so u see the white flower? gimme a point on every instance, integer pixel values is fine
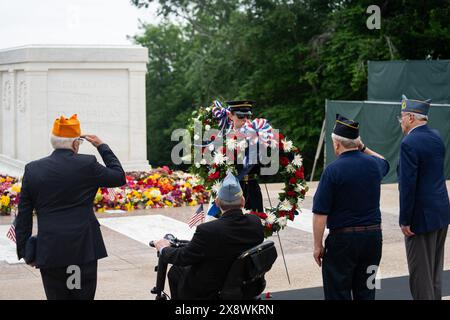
(216, 187)
(271, 218)
(298, 161)
(197, 165)
(219, 158)
(231, 144)
(287, 145)
(203, 162)
(282, 221)
(299, 188)
(196, 137)
(285, 205)
(207, 127)
(242, 144)
(208, 109)
(155, 193)
(211, 147)
(290, 168)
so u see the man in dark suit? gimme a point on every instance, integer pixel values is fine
(60, 189)
(424, 202)
(200, 268)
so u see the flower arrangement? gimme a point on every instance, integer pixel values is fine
(9, 194)
(232, 145)
(156, 188)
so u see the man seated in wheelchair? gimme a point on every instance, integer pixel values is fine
(200, 268)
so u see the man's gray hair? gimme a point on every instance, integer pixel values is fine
(347, 143)
(229, 205)
(419, 116)
(62, 143)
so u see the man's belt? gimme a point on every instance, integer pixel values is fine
(357, 229)
(249, 177)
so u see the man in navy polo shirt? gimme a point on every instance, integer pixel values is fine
(347, 200)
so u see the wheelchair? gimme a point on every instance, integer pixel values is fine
(245, 279)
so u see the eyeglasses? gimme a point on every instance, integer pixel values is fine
(399, 118)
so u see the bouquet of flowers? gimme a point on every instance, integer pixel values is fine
(157, 188)
(9, 194)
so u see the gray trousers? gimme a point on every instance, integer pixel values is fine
(425, 254)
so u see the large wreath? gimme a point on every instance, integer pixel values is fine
(213, 172)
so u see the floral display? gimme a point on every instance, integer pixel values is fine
(232, 145)
(156, 188)
(9, 194)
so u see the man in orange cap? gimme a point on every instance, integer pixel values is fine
(60, 189)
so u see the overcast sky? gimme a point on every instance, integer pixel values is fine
(103, 22)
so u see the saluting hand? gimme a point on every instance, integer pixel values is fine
(407, 231)
(92, 139)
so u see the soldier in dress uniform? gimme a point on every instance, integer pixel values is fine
(347, 200)
(249, 170)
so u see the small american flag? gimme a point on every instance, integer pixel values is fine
(112, 194)
(11, 234)
(198, 216)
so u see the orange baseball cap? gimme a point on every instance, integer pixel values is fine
(67, 128)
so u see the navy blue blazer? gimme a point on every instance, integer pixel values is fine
(211, 252)
(61, 188)
(424, 202)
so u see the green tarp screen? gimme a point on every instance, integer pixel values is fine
(380, 130)
(417, 79)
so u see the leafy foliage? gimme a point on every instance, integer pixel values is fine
(288, 55)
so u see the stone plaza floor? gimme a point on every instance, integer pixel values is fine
(128, 271)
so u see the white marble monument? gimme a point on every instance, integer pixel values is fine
(104, 85)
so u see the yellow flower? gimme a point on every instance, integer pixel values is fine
(129, 206)
(193, 203)
(16, 188)
(168, 203)
(101, 210)
(150, 203)
(4, 200)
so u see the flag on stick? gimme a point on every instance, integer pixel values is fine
(197, 217)
(11, 234)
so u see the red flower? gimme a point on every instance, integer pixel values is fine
(300, 173)
(281, 136)
(284, 161)
(282, 213)
(293, 180)
(214, 176)
(303, 192)
(291, 193)
(213, 137)
(262, 215)
(291, 215)
(198, 188)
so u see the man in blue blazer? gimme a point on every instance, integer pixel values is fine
(424, 201)
(60, 190)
